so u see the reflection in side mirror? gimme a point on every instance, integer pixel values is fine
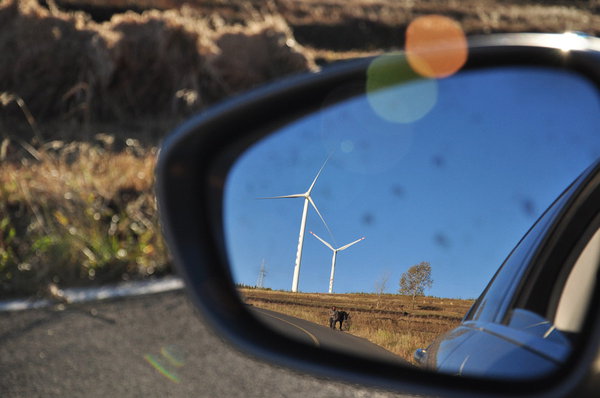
(454, 187)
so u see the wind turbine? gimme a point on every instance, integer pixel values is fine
(335, 251)
(307, 200)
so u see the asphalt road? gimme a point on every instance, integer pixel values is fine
(322, 336)
(145, 346)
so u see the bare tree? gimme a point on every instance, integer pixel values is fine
(381, 285)
(414, 281)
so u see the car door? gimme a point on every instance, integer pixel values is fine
(530, 316)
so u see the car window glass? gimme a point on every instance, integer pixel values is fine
(491, 305)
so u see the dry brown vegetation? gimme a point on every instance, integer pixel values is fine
(88, 88)
(379, 24)
(83, 107)
(167, 63)
(70, 217)
(177, 56)
(387, 320)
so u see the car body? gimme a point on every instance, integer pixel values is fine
(531, 314)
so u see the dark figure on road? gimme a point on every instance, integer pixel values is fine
(333, 316)
(336, 316)
(342, 316)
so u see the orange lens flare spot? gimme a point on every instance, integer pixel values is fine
(436, 46)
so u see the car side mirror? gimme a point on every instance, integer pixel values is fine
(441, 176)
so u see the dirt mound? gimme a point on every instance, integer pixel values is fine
(170, 62)
(158, 63)
(342, 25)
(256, 53)
(53, 61)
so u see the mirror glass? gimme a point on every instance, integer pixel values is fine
(432, 182)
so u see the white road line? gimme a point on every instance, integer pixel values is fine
(81, 295)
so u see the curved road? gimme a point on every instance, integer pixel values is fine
(323, 336)
(146, 346)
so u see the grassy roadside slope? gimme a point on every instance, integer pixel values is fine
(387, 320)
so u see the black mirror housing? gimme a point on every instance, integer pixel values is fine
(191, 173)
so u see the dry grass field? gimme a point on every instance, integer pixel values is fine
(83, 108)
(89, 88)
(334, 29)
(387, 320)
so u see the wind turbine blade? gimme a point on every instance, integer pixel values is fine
(350, 244)
(325, 243)
(299, 195)
(318, 174)
(322, 219)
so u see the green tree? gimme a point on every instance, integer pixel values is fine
(414, 281)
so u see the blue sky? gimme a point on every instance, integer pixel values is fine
(456, 183)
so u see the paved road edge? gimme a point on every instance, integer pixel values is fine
(81, 295)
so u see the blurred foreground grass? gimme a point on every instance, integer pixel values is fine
(77, 213)
(83, 107)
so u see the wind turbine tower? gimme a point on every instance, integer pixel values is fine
(307, 199)
(333, 258)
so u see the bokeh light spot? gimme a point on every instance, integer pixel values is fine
(396, 93)
(436, 46)
(171, 358)
(161, 368)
